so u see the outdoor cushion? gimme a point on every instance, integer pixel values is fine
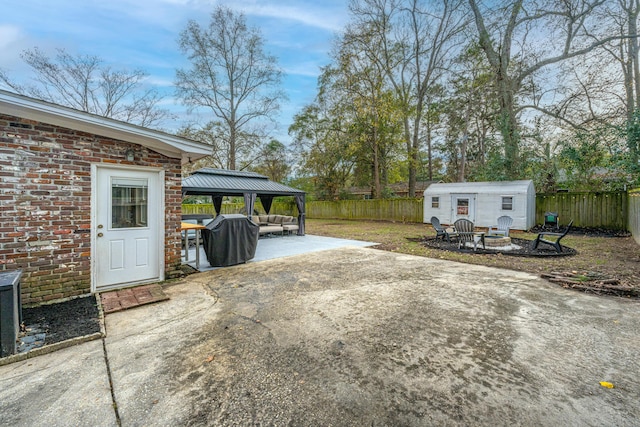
(274, 223)
(266, 229)
(290, 227)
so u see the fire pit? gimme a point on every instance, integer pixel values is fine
(496, 241)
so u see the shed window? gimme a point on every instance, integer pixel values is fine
(507, 203)
(462, 207)
(435, 202)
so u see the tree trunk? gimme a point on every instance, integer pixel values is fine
(633, 100)
(410, 163)
(508, 124)
(413, 164)
(463, 145)
(376, 166)
(232, 148)
(429, 153)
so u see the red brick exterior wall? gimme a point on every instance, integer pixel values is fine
(45, 204)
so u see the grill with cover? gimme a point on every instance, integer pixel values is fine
(230, 240)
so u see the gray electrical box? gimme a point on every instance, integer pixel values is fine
(10, 311)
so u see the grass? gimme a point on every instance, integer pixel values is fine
(615, 257)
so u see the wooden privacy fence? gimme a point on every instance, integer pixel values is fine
(405, 210)
(634, 214)
(610, 210)
(604, 210)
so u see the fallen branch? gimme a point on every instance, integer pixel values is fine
(591, 282)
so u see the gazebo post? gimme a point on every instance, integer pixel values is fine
(300, 203)
(249, 203)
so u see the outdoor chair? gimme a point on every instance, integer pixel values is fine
(542, 238)
(465, 233)
(440, 230)
(502, 229)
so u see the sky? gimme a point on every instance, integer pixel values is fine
(142, 34)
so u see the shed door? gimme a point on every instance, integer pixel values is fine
(127, 221)
(463, 206)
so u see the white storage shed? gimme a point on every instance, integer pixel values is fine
(482, 203)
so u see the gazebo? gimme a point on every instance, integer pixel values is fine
(218, 183)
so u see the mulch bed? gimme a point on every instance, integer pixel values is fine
(62, 321)
(525, 249)
(585, 231)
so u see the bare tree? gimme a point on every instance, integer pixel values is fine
(413, 41)
(231, 76)
(83, 82)
(624, 15)
(510, 34)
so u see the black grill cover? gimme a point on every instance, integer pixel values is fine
(230, 240)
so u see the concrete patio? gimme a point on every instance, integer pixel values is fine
(345, 337)
(278, 246)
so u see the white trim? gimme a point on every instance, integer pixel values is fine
(94, 192)
(161, 223)
(45, 112)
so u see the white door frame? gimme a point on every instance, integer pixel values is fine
(94, 222)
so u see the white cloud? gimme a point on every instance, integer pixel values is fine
(306, 69)
(9, 35)
(324, 17)
(11, 41)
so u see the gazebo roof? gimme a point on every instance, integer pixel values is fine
(220, 182)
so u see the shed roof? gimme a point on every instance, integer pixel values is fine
(480, 187)
(208, 181)
(34, 109)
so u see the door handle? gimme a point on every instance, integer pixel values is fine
(100, 234)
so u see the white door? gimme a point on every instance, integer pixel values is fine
(127, 223)
(463, 206)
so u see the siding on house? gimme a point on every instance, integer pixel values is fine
(45, 204)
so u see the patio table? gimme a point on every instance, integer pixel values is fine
(185, 226)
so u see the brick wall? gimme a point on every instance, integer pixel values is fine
(45, 204)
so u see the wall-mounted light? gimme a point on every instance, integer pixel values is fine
(129, 155)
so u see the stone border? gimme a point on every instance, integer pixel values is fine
(50, 348)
